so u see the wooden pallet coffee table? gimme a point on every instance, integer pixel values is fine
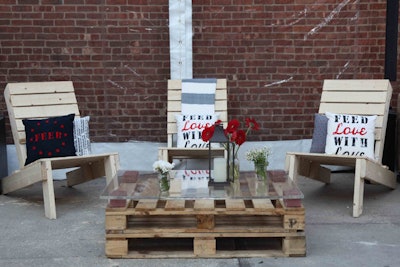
(245, 219)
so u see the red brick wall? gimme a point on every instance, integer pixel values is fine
(274, 53)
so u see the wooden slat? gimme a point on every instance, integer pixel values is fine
(235, 204)
(262, 204)
(328, 159)
(146, 204)
(23, 178)
(175, 204)
(43, 99)
(195, 153)
(204, 204)
(353, 97)
(45, 111)
(176, 94)
(357, 85)
(40, 87)
(68, 162)
(115, 222)
(177, 84)
(204, 246)
(350, 108)
(174, 107)
(116, 247)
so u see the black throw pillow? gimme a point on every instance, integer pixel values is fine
(51, 137)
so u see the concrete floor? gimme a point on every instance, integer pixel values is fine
(76, 238)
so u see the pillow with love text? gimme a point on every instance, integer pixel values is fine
(351, 135)
(190, 128)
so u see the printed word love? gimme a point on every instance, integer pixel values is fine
(189, 125)
(346, 130)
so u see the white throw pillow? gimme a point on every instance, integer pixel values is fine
(352, 135)
(81, 136)
(190, 128)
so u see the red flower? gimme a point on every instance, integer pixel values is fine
(232, 127)
(252, 124)
(207, 133)
(240, 137)
(232, 136)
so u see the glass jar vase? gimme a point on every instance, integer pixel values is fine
(234, 164)
(260, 169)
(164, 182)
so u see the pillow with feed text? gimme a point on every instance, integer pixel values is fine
(190, 128)
(351, 135)
(47, 138)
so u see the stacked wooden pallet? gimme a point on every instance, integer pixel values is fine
(179, 228)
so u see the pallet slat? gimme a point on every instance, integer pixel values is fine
(176, 204)
(204, 204)
(146, 204)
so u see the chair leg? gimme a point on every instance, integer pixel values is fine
(48, 191)
(111, 166)
(291, 166)
(163, 154)
(358, 197)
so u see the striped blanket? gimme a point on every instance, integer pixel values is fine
(198, 96)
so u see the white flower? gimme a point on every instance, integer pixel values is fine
(162, 166)
(259, 155)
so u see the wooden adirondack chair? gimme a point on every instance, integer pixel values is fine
(360, 97)
(174, 108)
(41, 100)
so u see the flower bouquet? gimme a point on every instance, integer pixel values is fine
(259, 156)
(162, 168)
(236, 136)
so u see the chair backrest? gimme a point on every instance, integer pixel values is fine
(37, 100)
(361, 97)
(174, 105)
